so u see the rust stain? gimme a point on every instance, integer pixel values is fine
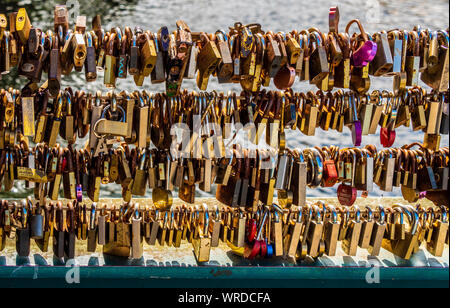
(219, 273)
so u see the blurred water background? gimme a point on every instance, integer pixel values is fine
(209, 16)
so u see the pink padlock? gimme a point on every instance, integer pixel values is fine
(364, 52)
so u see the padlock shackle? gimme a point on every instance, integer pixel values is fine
(361, 29)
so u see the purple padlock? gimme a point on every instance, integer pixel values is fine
(356, 123)
(357, 133)
(367, 52)
(79, 191)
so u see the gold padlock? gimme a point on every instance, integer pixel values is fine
(23, 25)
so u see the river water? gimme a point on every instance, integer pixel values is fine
(275, 15)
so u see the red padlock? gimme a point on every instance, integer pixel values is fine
(387, 136)
(251, 251)
(330, 175)
(346, 194)
(263, 249)
(252, 230)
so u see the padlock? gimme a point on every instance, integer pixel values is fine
(318, 62)
(110, 63)
(208, 59)
(382, 62)
(365, 53)
(90, 66)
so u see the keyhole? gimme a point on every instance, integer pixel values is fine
(437, 177)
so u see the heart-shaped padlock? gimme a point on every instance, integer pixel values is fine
(365, 54)
(367, 51)
(346, 194)
(387, 137)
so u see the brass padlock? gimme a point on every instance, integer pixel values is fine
(343, 69)
(378, 232)
(207, 61)
(69, 182)
(396, 46)
(79, 51)
(140, 177)
(273, 57)
(202, 243)
(136, 236)
(110, 63)
(318, 61)
(382, 63)
(61, 18)
(225, 67)
(351, 240)
(22, 25)
(438, 77)
(148, 55)
(413, 61)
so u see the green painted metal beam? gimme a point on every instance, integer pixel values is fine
(223, 277)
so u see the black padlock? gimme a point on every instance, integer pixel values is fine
(58, 243)
(34, 40)
(2, 230)
(54, 71)
(69, 235)
(444, 129)
(92, 230)
(92, 240)
(90, 65)
(23, 242)
(158, 74)
(37, 225)
(31, 65)
(441, 172)
(134, 57)
(42, 243)
(84, 181)
(426, 179)
(69, 244)
(58, 234)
